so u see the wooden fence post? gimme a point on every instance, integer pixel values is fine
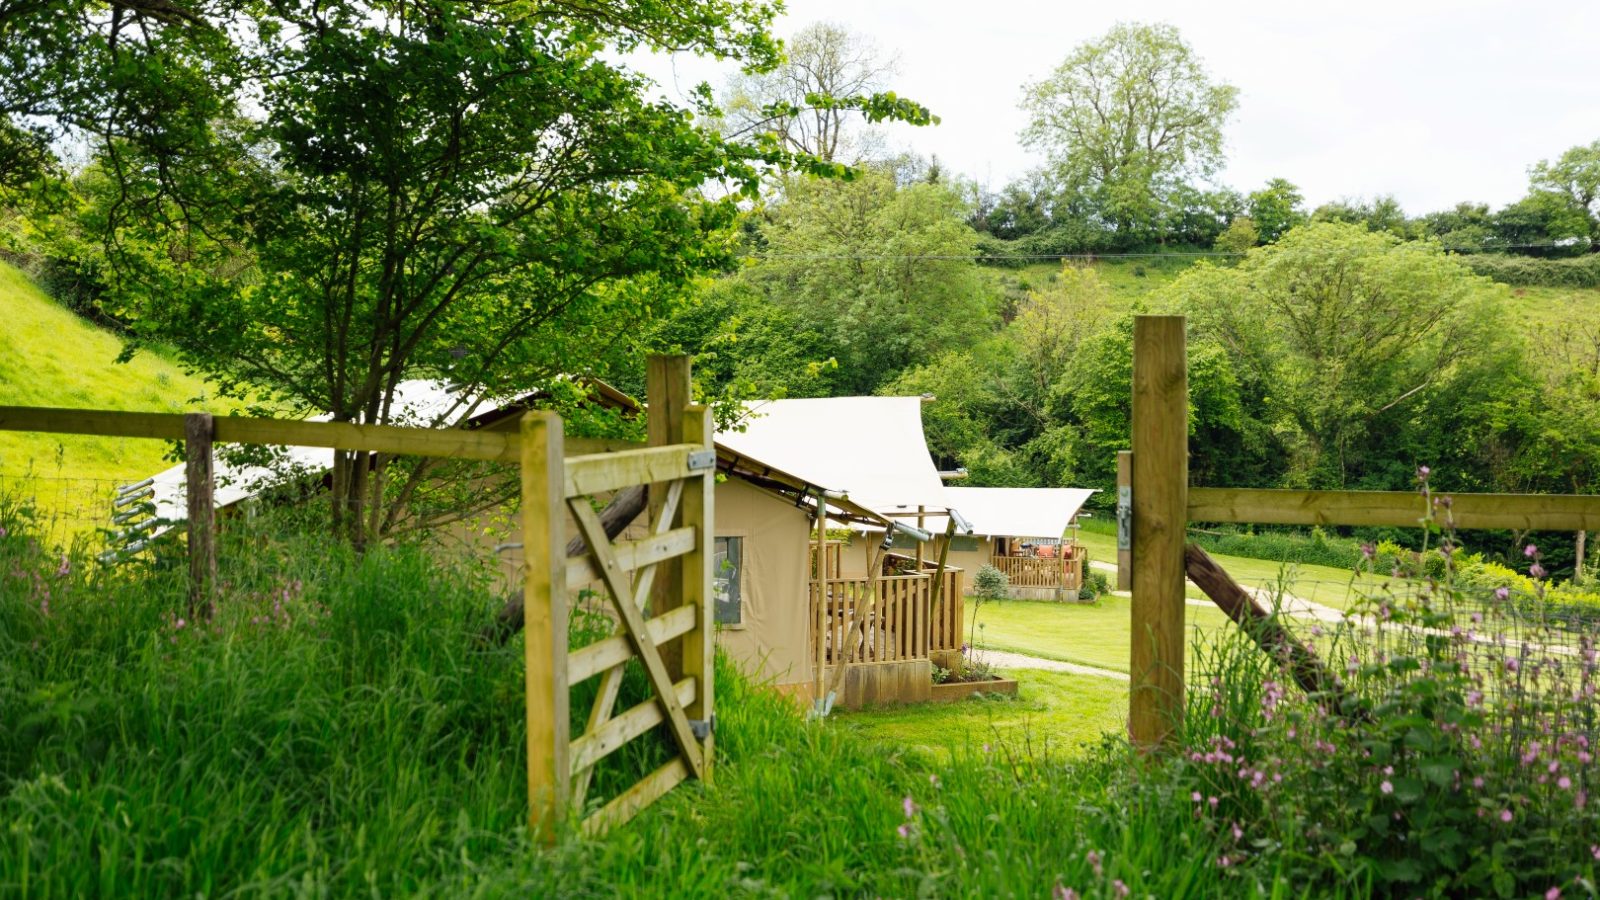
(699, 645)
(544, 610)
(1160, 511)
(667, 392)
(200, 492)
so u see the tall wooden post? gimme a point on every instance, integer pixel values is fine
(544, 611)
(1160, 501)
(200, 493)
(820, 627)
(667, 392)
(699, 648)
(1124, 520)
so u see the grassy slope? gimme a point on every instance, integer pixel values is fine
(51, 357)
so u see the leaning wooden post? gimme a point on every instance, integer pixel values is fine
(1124, 520)
(699, 647)
(667, 391)
(544, 610)
(200, 483)
(1160, 501)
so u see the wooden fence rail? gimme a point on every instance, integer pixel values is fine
(1155, 474)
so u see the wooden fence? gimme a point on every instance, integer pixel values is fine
(1156, 505)
(906, 623)
(672, 566)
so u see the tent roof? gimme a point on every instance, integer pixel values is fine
(1018, 512)
(871, 448)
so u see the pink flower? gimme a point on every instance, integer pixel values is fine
(1564, 783)
(179, 625)
(1512, 664)
(1422, 473)
(1505, 815)
(1093, 856)
(1553, 894)
(1064, 893)
(1386, 787)
(909, 806)
(1529, 551)
(1196, 797)
(1502, 593)
(1536, 570)
(1119, 888)
(904, 830)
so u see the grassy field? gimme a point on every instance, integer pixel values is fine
(1053, 713)
(51, 357)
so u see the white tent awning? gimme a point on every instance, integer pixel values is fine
(871, 448)
(1018, 512)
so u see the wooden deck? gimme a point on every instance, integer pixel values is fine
(1032, 575)
(906, 624)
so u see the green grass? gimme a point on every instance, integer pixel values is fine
(1098, 634)
(338, 731)
(51, 357)
(1053, 713)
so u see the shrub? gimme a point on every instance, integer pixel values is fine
(1576, 272)
(1094, 585)
(990, 583)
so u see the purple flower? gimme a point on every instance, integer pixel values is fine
(1386, 787)
(1505, 815)
(1513, 664)
(1093, 856)
(909, 806)
(1536, 570)
(1553, 894)
(1422, 473)
(1064, 893)
(904, 830)
(1369, 550)
(1502, 593)
(1530, 550)
(65, 568)
(1119, 888)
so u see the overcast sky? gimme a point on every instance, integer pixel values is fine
(1432, 102)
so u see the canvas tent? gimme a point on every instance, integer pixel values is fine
(1010, 515)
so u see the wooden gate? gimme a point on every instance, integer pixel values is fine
(660, 593)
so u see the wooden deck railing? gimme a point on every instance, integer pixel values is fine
(904, 625)
(1044, 572)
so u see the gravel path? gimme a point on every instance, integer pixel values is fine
(1002, 659)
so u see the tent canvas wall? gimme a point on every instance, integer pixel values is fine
(1001, 513)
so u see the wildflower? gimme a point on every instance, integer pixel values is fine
(1536, 571)
(1093, 856)
(1120, 889)
(179, 625)
(1564, 783)
(1505, 815)
(1387, 787)
(1064, 893)
(1422, 473)
(1553, 894)
(1213, 801)
(1502, 593)
(1478, 782)
(1474, 698)
(1224, 862)
(909, 806)
(1368, 551)
(1238, 833)
(1195, 797)
(1530, 551)
(65, 568)
(904, 830)
(1513, 664)
(933, 779)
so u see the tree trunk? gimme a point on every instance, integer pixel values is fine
(625, 506)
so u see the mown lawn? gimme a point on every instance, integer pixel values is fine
(1053, 713)
(1098, 634)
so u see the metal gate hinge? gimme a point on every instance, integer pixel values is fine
(700, 460)
(703, 728)
(1124, 517)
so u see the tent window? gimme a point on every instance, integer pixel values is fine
(963, 543)
(727, 580)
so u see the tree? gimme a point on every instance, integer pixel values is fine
(886, 272)
(1575, 178)
(1357, 346)
(322, 201)
(1240, 236)
(1275, 209)
(822, 60)
(1378, 214)
(1127, 117)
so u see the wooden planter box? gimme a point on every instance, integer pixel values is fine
(955, 692)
